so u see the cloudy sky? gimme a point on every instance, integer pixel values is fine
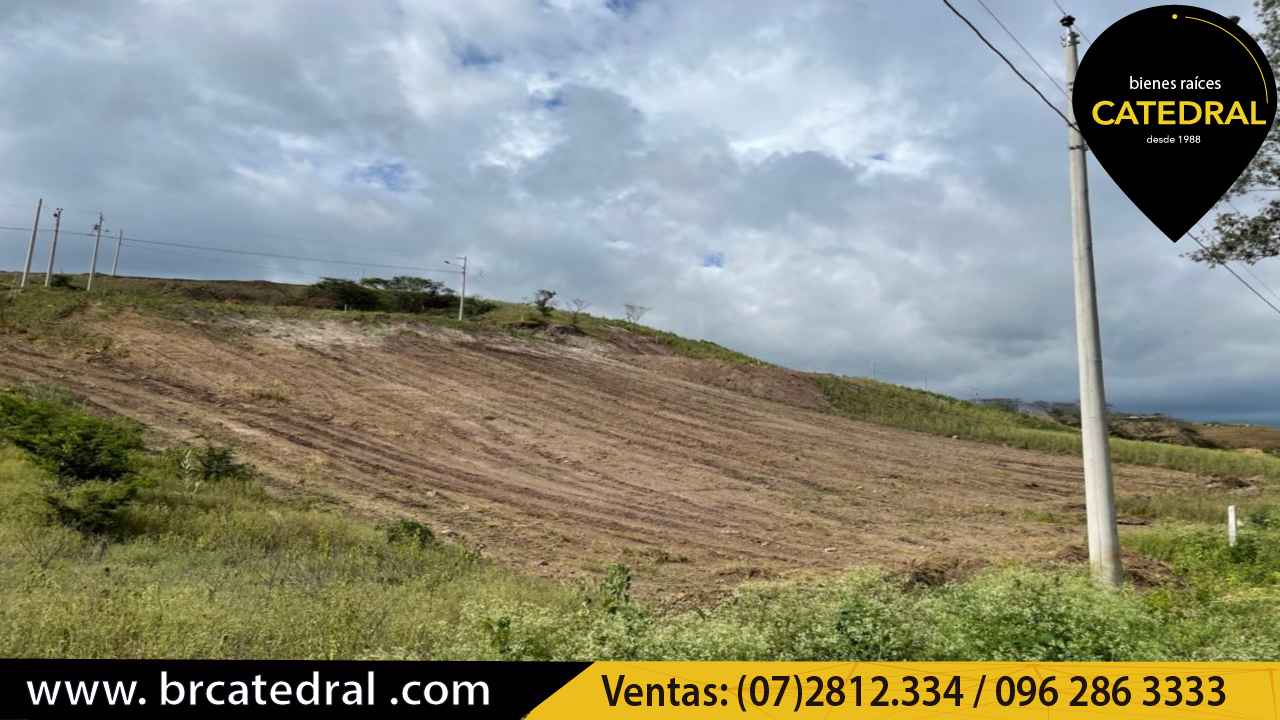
(853, 187)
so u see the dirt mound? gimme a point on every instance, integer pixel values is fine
(560, 459)
(1142, 571)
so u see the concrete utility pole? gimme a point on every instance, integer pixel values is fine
(53, 247)
(1099, 493)
(31, 246)
(115, 259)
(462, 299)
(93, 264)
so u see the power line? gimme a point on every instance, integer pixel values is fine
(277, 256)
(1231, 270)
(1012, 67)
(1072, 125)
(46, 230)
(1248, 269)
(129, 240)
(1052, 80)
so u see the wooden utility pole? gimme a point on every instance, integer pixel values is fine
(53, 247)
(31, 246)
(97, 242)
(115, 259)
(1099, 491)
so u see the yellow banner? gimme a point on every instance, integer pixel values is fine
(1045, 691)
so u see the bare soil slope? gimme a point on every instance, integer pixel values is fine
(560, 457)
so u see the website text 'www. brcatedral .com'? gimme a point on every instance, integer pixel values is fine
(257, 691)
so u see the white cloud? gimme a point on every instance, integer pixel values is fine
(883, 192)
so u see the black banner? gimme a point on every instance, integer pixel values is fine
(276, 688)
(1174, 101)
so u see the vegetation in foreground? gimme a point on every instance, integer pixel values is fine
(886, 404)
(197, 561)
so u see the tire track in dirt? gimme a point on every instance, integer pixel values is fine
(562, 459)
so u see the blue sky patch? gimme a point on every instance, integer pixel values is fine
(473, 56)
(391, 176)
(622, 7)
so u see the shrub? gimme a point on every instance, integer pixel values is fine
(336, 293)
(873, 626)
(409, 531)
(477, 306)
(89, 457)
(215, 463)
(95, 507)
(418, 302)
(545, 301)
(1203, 556)
(1023, 615)
(614, 593)
(72, 445)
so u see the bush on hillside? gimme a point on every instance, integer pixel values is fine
(1023, 615)
(403, 293)
(95, 507)
(90, 458)
(339, 294)
(214, 463)
(409, 531)
(72, 445)
(544, 301)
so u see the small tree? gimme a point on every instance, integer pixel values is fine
(635, 312)
(578, 306)
(545, 301)
(407, 283)
(1252, 234)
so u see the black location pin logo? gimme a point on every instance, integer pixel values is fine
(1174, 101)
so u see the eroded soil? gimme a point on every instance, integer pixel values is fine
(561, 457)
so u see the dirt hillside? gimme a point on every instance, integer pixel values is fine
(561, 455)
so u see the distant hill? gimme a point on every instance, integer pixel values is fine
(1154, 427)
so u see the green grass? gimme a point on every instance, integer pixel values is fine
(57, 315)
(1205, 506)
(216, 568)
(903, 407)
(697, 349)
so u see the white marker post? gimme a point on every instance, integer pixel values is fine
(1231, 525)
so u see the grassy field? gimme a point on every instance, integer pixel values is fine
(200, 562)
(886, 404)
(53, 314)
